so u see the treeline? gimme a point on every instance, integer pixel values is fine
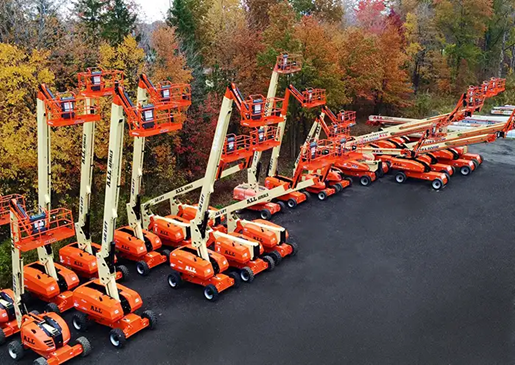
(410, 58)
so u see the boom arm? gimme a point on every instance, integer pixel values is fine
(106, 268)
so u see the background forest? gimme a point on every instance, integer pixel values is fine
(410, 58)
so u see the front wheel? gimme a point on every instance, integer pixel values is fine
(52, 308)
(124, 271)
(322, 196)
(292, 203)
(247, 275)
(236, 277)
(270, 261)
(16, 350)
(265, 214)
(175, 280)
(276, 256)
(282, 205)
(365, 180)
(117, 338)
(465, 170)
(152, 318)
(142, 268)
(40, 361)
(400, 178)
(211, 293)
(86, 346)
(437, 184)
(80, 322)
(294, 248)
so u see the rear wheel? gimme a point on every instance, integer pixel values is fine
(322, 196)
(307, 195)
(349, 180)
(86, 346)
(270, 261)
(117, 338)
(124, 271)
(52, 307)
(294, 248)
(16, 350)
(437, 184)
(152, 318)
(236, 277)
(175, 280)
(292, 203)
(80, 322)
(265, 214)
(465, 170)
(475, 162)
(142, 268)
(211, 293)
(247, 275)
(40, 361)
(400, 177)
(365, 180)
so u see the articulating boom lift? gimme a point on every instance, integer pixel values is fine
(103, 300)
(47, 334)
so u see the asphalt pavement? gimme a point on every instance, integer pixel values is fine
(389, 274)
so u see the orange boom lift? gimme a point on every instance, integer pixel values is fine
(103, 300)
(47, 334)
(80, 256)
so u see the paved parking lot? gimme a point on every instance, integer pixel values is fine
(390, 274)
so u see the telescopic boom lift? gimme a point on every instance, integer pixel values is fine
(103, 300)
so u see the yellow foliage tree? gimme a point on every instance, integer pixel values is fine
(20, 75)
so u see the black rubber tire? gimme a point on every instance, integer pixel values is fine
(265, 214)
(40, 361)
(292, 203)
(365, 180)
(349, 180)
(294, 248)
(117, 338)
(322, 196)
(16, 350)
(276, 256)
(175, 280)
(80, 322)
(125, 273)
(307, 195)
(247, 275)
(437, 184)
(282, 205)
(3, 338)
(447, 175)
(211, 293)
(339, 187)
(400, 177)
(166, 253)
(86, 346)
(465, 170)
(453, 170)
(336, 189)
(52, 308)
(236, 277)
(270, 261)
(475, 162)
(152, 318)
(142, 268)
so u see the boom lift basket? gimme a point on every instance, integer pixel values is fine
(5, 210)
(40, 227)
(236, 147)
(318, 154)
(258, 111)
(168, 95)
(149, 120)
(67, 108)
(95, 83)
(475, 99)
(309, 98)
(264, 138)
(288, 63)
